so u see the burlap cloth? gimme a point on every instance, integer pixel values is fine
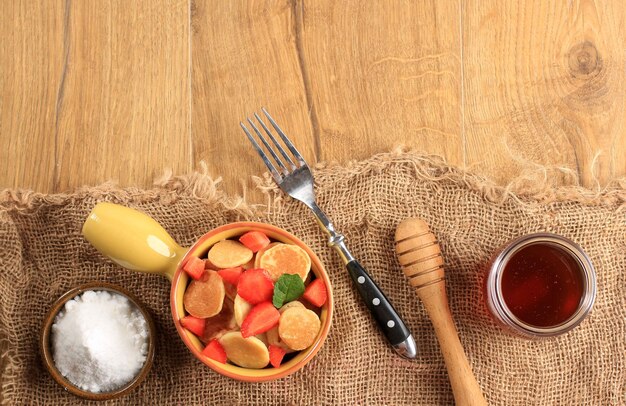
(43, 255)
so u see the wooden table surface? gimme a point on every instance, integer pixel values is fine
(112, 89)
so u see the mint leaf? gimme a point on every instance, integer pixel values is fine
(287, 288)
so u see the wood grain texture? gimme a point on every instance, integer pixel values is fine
(245, 56)
(92, 91)
(381, 74)
(545, 83)
(30, 68)
(124, 98)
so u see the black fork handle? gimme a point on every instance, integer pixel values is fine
(385, 315)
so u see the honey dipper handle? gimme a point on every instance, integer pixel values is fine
(464, 385)
(421, 260)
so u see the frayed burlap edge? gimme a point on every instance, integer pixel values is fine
(534, 186)
(167, 188)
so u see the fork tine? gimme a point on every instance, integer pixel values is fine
(275, 174)
(269, 148)
(293, 149)
(280, 148)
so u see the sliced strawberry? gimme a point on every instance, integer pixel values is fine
(316, 293)
(193, 324)
(261, 318)
(215, 351)
(254, 240)
(255, 286)
(231, 275)
(194, 267)
(276, 355)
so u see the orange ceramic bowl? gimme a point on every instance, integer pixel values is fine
(137, 242)
(179, 284)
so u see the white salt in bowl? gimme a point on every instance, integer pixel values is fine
(46, 347)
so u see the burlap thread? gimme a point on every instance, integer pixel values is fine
(42, 255)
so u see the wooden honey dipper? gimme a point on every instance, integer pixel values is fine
(420, 256)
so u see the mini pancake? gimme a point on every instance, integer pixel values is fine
(246, 352)
(263, 338)
(259, 254)
(298, 327)
(209, 265)
(204, 298)
(272, 335)
(274, 339)
(290, 305)
(242, 308)
(221, 323)
(308, 279)
(285, 258)
(230, 290)
(229, 254)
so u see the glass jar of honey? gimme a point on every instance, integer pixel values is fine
(540, 285)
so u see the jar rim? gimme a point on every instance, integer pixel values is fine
(566, 245)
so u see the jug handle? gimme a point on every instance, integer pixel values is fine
(132, 239)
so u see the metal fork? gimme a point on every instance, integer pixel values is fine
(293, 176)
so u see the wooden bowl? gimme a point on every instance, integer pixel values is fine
(46, 351)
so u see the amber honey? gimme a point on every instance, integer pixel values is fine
(540, 285)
